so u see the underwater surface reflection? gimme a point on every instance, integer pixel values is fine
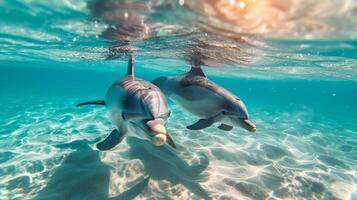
(293, 63)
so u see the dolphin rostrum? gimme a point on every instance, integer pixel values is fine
(137, 108)
(207, 100)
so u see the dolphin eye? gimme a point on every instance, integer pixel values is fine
(237, 99)
(224, 112)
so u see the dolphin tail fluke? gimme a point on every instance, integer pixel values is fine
(111, 141)
(201, 124)
(131, 67)
(95, 102)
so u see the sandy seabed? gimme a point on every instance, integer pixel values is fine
(53, 156)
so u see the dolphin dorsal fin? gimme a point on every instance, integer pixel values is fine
(131, 67)
(197, 71)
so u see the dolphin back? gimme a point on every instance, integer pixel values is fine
(164, 83)
(151, 100)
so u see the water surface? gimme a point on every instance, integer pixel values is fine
(300, 88)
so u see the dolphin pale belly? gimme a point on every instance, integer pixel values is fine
(207, 100)
(137, 108)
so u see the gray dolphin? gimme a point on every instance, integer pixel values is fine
(137, 108)
(207, 100)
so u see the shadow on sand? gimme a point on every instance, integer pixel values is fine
(83, 175)
(162, 163)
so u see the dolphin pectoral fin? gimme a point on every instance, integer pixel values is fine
(225, 127)
(111, 141)
(95, 102)
(170, 141)
(201, 124)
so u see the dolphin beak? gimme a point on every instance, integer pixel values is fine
(158, 131)
(158, 139)
(249, 125)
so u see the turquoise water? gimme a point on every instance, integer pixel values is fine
(301, 92)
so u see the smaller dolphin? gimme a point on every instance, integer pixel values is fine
(136, 107)
(207, 100)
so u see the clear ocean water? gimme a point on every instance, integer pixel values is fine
(299, 84)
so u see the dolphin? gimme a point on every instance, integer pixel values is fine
(205, 99)
(137, 108)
